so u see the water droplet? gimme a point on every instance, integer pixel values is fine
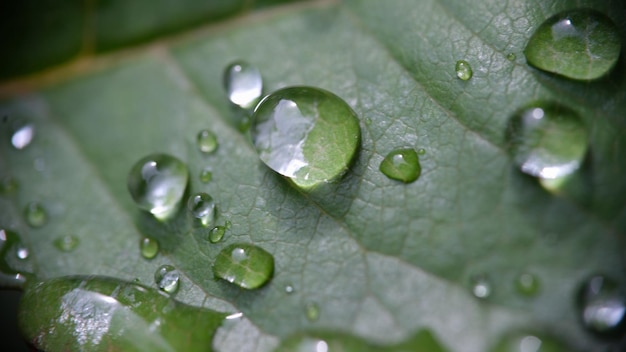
(603, 306)
(421, 151)
(463, 70)
(23, 135)
(306, 134)
(157, 183)
(39, 164)
(244, 265)
(578, 44)
(312, 311)
(511, 56)
(524, 342)
(243, 84)
(167, 278)
(35, 215)
(527, 284)
(206, 175)
(216, 234)
(149, 247)
(547, 140)
(21, 252)
(202, 207)
(481, 287)
(66, 243)
(8, 185)
(207, 141)
(228, 224)
(289, 289)
(401, 165)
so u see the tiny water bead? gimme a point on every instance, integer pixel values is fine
(244, 265)
(547, 140)
(579, 44)
(206, 175)
(207, 141)
(312, 311)
(216, 234)
(157, 183)
(511, 56)
(463, 70)
(527, 284)
(202, 208)
(149, 247)
(243, 84)
(35, 215)
(23, 135)
(481, 286)
(602, 304)
(66, 243)
(167, 278)
(401, 165)
(306, 134)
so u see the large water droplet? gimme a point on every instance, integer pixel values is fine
(527, 284)
(167, 278)
(207, 141)
(402, 165)
(463, 70)
(603, 305)
(548, 141)
(579, 44)
(243, 84)
(149, 247)
(244, 265)
(524, 342)
(206, 175)
(216, 234)
(157, 183)
(312, 311)
(202, 207)
(35, 215)
(23, 135)
(66, 243)
(306, 134)
(481, 286)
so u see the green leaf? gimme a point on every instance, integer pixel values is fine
(380, 259)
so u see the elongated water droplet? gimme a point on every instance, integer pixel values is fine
(167, 278)
(580, 44)
(244, 265)
(216, 234)
(23, 135)
(66, 243)
(35, 215)
(527, 284)
(481, 287)
(306, 134)
(312, 311)
(157, 183)
(202, 207)
(602, 304)
(207, 141)
(149, 247)
(243, 84)
(401, 165)
(547, 140)
(524, 342)
(463, 70)
(421, 151)
(206, 175)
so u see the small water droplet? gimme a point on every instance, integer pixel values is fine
(228, 224)
(463, 70)
(579, 44)
(421, 151)
(202, 207)
(207, 141)
(547, 140)
(206, 175)
(312, 311)
(66, 243)
(527, 284)
(8, 185)
(157, 183)
(167, 278)
(401, 165)
(216, 234)
(23, 135)
(511, 56)
(481, 287)
(35, 215)
(244, 265)
(22, 252)
(602, 304)
(148, 247)
(243, 84)
(289, 289)
(306, 134)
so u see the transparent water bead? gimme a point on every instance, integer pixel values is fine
(217, 234)
(35, 215)
(527, 284)
(202, 208)
(312, 311)
(579, 44)
(401, 165)
(463, 70)
(167, 278)
(602, 304)
(547, 140)
(243, 84)
(66, 243)
(481, 286)
(157, 183)
(148, 247)
(207, 141)
(23, 135)
(306, 134)
(244, 265)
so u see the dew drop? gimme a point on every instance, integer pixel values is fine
(579, 44)
(547, 141)
(289, 289)
(401, 165)
(243, 84)
(35, 215)
(207, 141)
(21, 252)
(244, 265)
(481, 287)
(527, 284)
(206, 175)
(463, 70)
(217, 234)
(157, 183)
(148, 247)
(202, 208)
(511, 57)
(312, 311)
(421, 151)
(306, 134)
(602, 304)
(66, 243)
(167, 278)
(23, 135)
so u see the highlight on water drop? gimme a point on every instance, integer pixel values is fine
(207, 141)
(243, 84)
(35, 215)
